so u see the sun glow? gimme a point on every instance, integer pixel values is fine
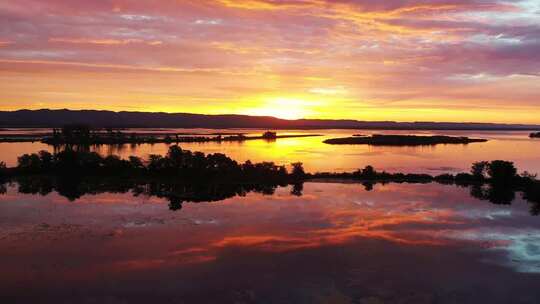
(284, 107)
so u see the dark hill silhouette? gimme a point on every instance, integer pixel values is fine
(94, 118)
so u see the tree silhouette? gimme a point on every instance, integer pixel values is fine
(298, 170)
(2, 169)
(501, 171)
(479, 169)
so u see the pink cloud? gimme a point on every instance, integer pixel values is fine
(370, 47)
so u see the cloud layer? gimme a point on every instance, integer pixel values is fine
(402, 60)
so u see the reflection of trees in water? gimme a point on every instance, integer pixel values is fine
(368, 185)
(78, 148)
(111, 149)
(178, 193)
(533, 195)
(297, 189)
(175, 193)
(503, 194)
(500, 195)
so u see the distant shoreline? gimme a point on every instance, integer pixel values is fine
(122, 138)
(46, 118)
(507, 129)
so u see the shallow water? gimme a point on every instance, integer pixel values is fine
(337, 243)
(506, 145)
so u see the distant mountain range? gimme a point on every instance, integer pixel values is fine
(57, 118)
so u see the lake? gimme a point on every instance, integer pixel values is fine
(317, 156)
(323, 243)
(320, 242)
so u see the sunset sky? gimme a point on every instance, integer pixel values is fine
(404, 60)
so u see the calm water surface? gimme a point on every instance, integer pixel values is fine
(337, 243)
(506, 145)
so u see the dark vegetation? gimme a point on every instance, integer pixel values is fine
(85, 135)
(176, 193)
(496, 181)
(183, 175)
(178, 163)
(180, 176)
(19, 139)
(497, 172)
(534, 135)
(401, 140)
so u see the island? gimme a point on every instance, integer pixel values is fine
(182, 175)
(85, 135)
(535, 135)
(402, 140)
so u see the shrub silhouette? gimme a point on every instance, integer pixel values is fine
(136, 162)
(29, 162)
(298, 170)
(177, 162)
(501, 171)
(479, 169)
(496, 181)
(368, 173)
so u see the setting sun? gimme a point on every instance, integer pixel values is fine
(284, 107)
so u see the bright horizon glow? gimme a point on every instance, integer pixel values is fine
(282, 107)
(443, 60)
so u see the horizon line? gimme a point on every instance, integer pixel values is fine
(273, 117)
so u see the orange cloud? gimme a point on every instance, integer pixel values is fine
(396, 60)
(5, 43)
